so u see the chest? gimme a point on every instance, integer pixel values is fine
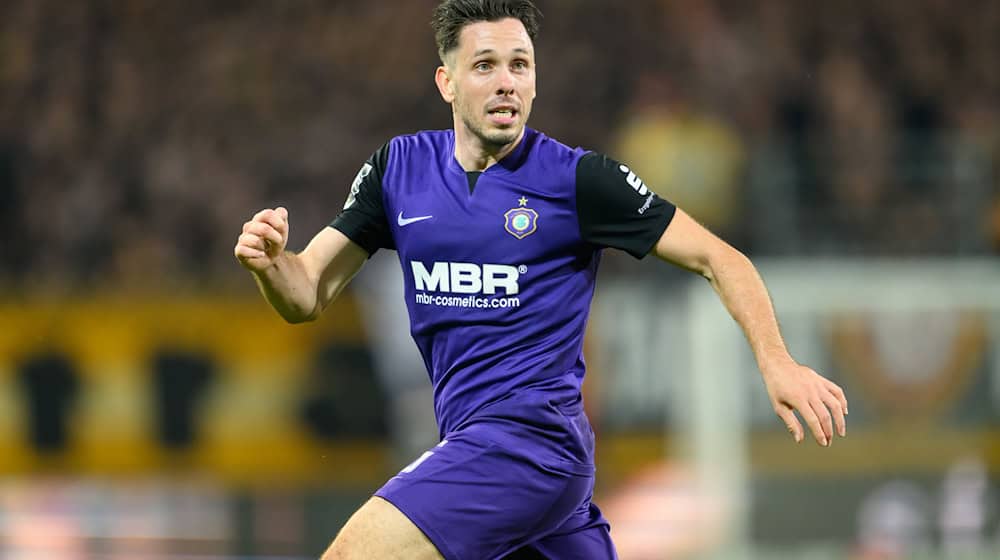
(505, 219)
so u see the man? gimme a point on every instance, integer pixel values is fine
(499, 230)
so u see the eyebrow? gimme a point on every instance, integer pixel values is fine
(481, 52)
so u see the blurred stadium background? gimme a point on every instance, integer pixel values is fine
(153, 406)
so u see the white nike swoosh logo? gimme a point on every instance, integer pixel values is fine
(407, 221)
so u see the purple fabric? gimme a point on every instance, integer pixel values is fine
(477, 498)
(498, 281)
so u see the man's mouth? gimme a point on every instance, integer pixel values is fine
(503, 115)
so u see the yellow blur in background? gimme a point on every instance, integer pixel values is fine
(153, 406)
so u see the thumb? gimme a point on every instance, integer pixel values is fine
(283, 212)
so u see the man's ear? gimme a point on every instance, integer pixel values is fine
(445, 85)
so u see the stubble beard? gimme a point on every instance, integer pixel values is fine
(493, 139)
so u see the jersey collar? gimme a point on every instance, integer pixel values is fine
(511, 162)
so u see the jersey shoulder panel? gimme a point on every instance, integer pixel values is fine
(415, 156)
(419, 144)
(557, 155)
(616, 209)
(362, 218)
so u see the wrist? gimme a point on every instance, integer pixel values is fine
(773, 363)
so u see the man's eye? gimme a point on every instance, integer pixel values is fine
(482, 66)
(520, 65)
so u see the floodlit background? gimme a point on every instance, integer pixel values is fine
(152, 405)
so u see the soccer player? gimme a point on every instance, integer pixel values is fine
(499, 230)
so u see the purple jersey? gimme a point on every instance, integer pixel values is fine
(499, 270)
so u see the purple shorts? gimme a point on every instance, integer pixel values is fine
(477, 499)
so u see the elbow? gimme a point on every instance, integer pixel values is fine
(298, 316)
(725, 258)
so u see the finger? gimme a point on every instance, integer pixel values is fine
(812, 420)
(833, 404)
(824, 417)
(838, 393)
(251, 241)
(791, 422)
(275, 220)
(259, 216)
(244, 252)
(254, 223)
(264, 231)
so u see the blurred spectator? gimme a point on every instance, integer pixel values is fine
(689, 157)
(894, 522)
(136, 137)
(966, 505)
(858, 147)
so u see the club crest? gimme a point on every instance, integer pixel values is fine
(521, 221)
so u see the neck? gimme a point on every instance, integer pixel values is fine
(475, 155)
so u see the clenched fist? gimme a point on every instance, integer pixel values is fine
(263, 239)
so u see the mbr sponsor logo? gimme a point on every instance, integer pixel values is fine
(465, 278)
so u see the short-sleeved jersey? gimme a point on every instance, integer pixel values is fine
(499, 270)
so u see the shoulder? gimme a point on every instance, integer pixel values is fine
(595, 165)
(422, 142)
(552, 147)
(551, 153)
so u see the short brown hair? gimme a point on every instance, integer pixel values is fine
(452, 15)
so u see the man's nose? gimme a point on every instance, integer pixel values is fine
(505, 82)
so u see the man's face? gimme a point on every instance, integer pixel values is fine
(490, 80)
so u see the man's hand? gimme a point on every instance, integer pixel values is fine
(819, 401)
(263, 239)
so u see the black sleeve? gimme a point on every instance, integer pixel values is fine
(616, 209)
(363, 218)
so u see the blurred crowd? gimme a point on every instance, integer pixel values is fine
(136, 137)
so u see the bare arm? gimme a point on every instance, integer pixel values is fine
(791, 387)
(299, 286)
